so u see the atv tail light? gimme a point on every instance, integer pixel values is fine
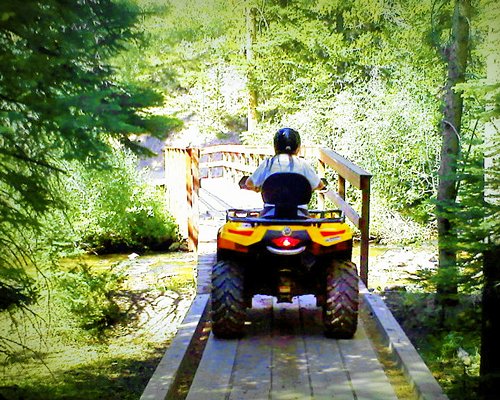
(229, 245)
(247, 232)
(332, 233)
(317, 249)
(286, 241)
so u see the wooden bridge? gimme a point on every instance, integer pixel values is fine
(284, 354)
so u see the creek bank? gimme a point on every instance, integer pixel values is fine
(58, 360)
(156, 293)
(392, 267)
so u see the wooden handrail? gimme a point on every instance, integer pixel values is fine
(354, 174)
(237, 148)
(235, 160)
(360, 179)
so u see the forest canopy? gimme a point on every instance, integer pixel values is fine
(365, 78)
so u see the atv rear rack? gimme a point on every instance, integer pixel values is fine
(316, 217)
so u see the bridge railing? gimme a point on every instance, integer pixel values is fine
(182, 183)
(360, 179)
(233, 161)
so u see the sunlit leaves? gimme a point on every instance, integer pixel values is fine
(115, 208)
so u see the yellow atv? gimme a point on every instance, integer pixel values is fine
(284, 250)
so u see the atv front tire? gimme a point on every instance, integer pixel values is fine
(340, 312)
(228, 304)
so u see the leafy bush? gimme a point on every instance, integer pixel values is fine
(452, 354)
(114, 209)
(90, 296)
(390, 133)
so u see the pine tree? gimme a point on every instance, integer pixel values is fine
(60, 100)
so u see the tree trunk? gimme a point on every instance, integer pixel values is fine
(456, 55)
(252, 116)
(490, 333)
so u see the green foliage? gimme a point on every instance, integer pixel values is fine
(476, 214)
(73, 350)
(315, 50)
(62, 98)
(451, 354)
(346, 74)
(363, 77)
(115, 209)
(191, 53)
(390, 133)
(90, 296)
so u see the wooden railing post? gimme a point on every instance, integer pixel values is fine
(341, 182)
(192, 189)
(175, 187)
(360, 179)
(321, 174)
(182, 183)
(364, 227)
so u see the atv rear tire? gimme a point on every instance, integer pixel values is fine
(228, 304)
(340, 312)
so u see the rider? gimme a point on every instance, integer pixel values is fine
(286, 147)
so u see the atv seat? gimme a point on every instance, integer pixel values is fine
(286, 195)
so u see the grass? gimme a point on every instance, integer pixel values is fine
(100, 375)
(46, 354)
(452, 351)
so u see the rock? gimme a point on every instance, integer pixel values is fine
(395, 288)
(133, 256)
(174, 246)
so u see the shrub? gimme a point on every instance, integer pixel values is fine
(114, 209)
(90, 296)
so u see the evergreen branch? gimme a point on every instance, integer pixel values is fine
(35, 353)
(10, 100)
(23, 157)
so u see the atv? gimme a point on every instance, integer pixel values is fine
(284, 250)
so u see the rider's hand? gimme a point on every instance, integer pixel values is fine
(243, 183)
(249, 185)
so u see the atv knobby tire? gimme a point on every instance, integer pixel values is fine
(340, 312)
(228, 304)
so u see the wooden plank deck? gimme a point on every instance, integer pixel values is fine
(284, 356)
